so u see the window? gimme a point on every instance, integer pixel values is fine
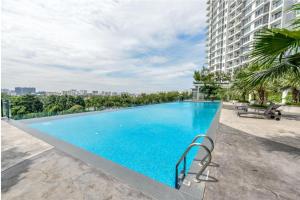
(248, 9)
(245, 39)
(247, 2)
(266, 19)
(245, 48)
(246, 20)
(259, 12)
(246, 30)
(258, 22)
(277, 15)
(266, 7)
(275, 25)
(276, 3)
(236, 54)
(230, 40)
(258, 2)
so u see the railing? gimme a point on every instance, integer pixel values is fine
(183, 158)
(209, 139)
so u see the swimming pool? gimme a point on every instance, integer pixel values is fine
(147, 139)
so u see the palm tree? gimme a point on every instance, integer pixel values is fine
(277, 51)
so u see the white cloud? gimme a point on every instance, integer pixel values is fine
(103, 45)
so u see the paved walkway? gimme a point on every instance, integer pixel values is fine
(32, 169)
(256, 158)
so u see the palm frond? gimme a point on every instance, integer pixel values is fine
(289, 66)
(296, 23)
(270, 44)
(295, 7)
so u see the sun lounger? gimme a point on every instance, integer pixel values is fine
(271, 112)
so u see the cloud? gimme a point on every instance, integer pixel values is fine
(102, 45)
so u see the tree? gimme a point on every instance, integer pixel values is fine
(26, 104)
(211, 82)
(289, 82)
(238, 89)
(55, 104)
(241, 85)
(76, 108)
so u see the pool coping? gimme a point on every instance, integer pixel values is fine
(134, 179)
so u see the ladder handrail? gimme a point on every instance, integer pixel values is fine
(209, 139)
(183, 157)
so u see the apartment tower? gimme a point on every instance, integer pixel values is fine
(232, 25)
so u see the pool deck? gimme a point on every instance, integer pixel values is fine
(33, 169)
(253, 159)
(256, 158)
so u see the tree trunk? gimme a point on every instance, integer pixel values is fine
(295, 94)
(261, 95)
(244, 96)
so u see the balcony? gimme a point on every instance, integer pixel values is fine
(276, 16)
(276, 4)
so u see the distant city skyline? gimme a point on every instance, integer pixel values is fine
(134, 46)
(91, 90)
(17, 91)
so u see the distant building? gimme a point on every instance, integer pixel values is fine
(5, 91)
(41, 93)
(70, 92)
(95, 92)
(83, 92)
(114, 94)
(25, 90)
(52, 93)
(107, 93)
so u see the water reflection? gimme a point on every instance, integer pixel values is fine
(203, 114)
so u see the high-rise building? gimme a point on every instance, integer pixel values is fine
(72, 92)
(232, 25)
(83, 92)
(5, 91)
(95, 92)
(25, 90)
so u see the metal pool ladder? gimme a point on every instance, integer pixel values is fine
(204, 162)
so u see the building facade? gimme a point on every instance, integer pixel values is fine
(232, 25)
(25, 90)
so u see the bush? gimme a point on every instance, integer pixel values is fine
(54, 109)
(76, 108)
(293, 104)
(275, 97)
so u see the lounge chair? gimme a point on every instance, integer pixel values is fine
(242, 107)
(271, 112)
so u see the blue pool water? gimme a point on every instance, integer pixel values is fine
(148, 139)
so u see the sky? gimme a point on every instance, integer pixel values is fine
(105, 45)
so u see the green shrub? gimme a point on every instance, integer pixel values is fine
(293, 104)
(275, 97)
(76, 108)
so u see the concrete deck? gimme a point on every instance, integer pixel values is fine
(256, 159)
(35, 170)
(18, 146)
